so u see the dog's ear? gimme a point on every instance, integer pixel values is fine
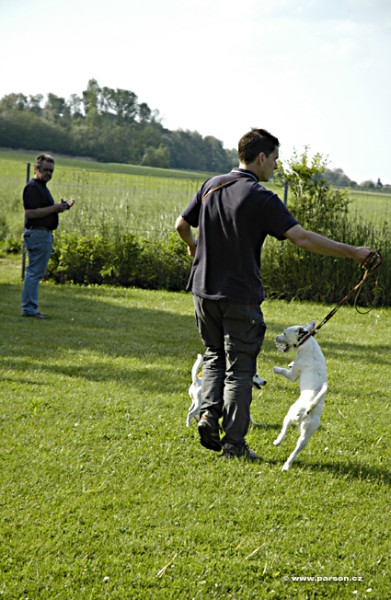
(310, 327)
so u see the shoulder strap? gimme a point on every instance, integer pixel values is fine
(219, 187)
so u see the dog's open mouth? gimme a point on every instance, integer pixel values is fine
(281, 346)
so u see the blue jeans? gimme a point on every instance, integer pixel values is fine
(233, 335)
(39, 247)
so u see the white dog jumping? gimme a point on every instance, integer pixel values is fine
(195, 392)
(310, 368)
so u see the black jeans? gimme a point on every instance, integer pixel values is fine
(232, 334)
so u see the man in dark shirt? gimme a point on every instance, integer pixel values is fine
(41, 218)
(234, 214)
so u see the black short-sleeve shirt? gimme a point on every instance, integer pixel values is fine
(37, 195)
(233, 223)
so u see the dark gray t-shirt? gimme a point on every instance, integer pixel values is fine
(233, 223)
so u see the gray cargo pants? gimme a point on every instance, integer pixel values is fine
(232, 334)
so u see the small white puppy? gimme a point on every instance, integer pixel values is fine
(195, 391)
(309, 367)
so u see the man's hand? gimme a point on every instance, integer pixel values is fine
(191, 250)
(66, 204)
(372, 259)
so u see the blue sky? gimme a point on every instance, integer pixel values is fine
(316, 73)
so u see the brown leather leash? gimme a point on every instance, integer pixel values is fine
(372, 262)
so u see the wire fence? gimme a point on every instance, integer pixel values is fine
(144, 205)
(110, 205)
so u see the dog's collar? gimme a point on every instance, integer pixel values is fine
(303, 337)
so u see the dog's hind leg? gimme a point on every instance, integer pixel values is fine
(285, 426)
(305, 434)
(301, 444)
(192, 413)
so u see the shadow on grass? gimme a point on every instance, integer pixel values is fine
(20, 381)
(114, 323)
(120, 322)
(357, 471)
(265, 426)
(360, 472)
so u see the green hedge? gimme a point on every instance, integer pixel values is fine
(120, 260)
(287, 271)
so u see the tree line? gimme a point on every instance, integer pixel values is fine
(108, 125)
(111, 125)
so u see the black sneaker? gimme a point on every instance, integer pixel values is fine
(208, 428)
(238, 451)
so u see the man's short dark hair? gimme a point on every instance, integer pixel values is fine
(43, 157)
(254, 142)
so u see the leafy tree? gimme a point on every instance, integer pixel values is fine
(186, 150)
(34, 104)
(28, 131)
(56, 110)
(90, 102)
(311, 199)
(368, 184)
(144, 113)
(337, 177)
(215, 156)
(156, 157)
(13, 102)
(125, 103)
(75, 106)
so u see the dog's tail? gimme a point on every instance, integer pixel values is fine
(196, 367)
(321, 394)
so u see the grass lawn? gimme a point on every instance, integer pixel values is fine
(107, 494)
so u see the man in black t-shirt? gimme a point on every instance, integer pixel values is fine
(41, 218)
(234, 214)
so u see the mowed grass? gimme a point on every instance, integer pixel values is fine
(107, 494)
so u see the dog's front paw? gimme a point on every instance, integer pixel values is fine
(277, 370)
(286, 467)
(277, 442)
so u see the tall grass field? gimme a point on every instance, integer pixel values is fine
(142, 200)
(122, 197)
(107, 494)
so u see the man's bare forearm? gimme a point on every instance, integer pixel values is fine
(184, 230)
(319, 244)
